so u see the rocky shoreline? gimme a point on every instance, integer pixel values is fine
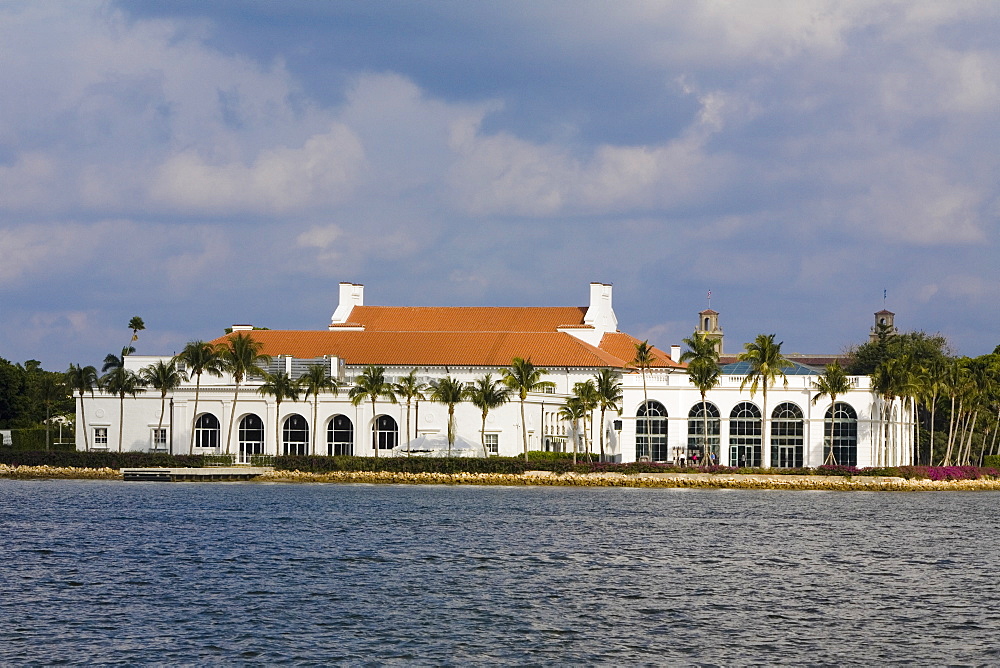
(547, 478)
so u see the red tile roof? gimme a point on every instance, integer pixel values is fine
(493, 349)
(622, 346)
(466, 318)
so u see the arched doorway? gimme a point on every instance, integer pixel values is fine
(251, 437)
(840, 432)
(340, 436)
(786, 436)
(295, 436)
(744, 435)
(385, 432)
(698, 442)
(651, 432)
(206, 431)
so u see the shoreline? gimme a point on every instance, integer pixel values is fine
(550, 479)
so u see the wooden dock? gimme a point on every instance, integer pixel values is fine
(204, 474)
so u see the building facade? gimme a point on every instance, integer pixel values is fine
(662, 415)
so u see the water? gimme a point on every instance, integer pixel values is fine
(138, 573)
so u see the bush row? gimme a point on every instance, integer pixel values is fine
(318, 464)
(96, 460)
(34, 439)
(511, 465)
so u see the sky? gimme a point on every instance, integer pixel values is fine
(203, 163)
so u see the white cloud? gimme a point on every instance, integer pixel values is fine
(323, 171)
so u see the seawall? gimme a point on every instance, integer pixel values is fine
(547, 478)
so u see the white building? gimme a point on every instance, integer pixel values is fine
(571, 343)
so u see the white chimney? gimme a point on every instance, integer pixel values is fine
(351, 295)
(242, 328)
(675, 353)
(600, 315)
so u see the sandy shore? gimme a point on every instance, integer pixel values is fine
(546, 478)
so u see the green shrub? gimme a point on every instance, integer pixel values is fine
(322, 464)
(97, 460)
(28, 439)
(991, 461)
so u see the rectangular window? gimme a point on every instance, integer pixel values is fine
(100, 438)
(158, 439)
(492, 442)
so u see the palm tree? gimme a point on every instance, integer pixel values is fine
(486, 394)
(199, 357)
(371, 385)
(411, 389)
(136, 325)
(281, 386)
(82, 379)
(241, 356)
(165, 377)
(315, 381)
(119, 381)
(573, 411)
(448, 391)
(767, 365)
(609, 396)
(586, 393)
(51, 390)
(702, 358)
(893, 378)
(833, 382)
(644, 359)
(522, 377)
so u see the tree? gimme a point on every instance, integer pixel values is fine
(833, 382)
(165, 377)
(702, 358)
(199, 357)
(120, 382)
(609, 396)
(573, 411)
(136, 325)
(486, 394)
(411, 389)
(523, 377)
(586, 393)
(767, 365)
(281, 386)
(893, 378)
(51, 390)
(922, 348)
(644, 359)
(314, 382)
(82, 379)
(241, 356)
(372, 385)
(448, 391)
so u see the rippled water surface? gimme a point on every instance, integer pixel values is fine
(133, 573)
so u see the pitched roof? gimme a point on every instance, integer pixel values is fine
(466, 318)
(492, 349)
(622, 346)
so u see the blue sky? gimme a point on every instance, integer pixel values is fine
(206, 163)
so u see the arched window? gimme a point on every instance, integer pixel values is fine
(744, 435)
(699, 415)
(786, 436)
(385, 432)
(707, 322)
(651, 432)
(840, 430)
(206, 431)
(251, 437)
(340, 436)
(295, 436)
